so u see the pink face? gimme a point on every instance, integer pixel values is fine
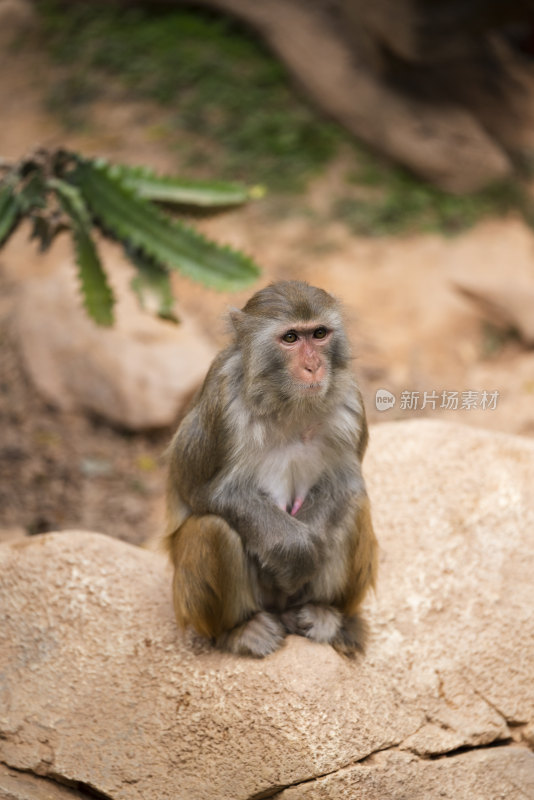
(304, 347)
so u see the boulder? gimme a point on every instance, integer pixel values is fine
(101, 691)
(17, 19)
(503, 303)
(136, 374)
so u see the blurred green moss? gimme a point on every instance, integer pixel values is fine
(236, 115)
(225, 88)
(389, 200)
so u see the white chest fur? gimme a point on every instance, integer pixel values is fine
(287, 472)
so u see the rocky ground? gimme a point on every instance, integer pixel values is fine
(105, 697)
(411, 328)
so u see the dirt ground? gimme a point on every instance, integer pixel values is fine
(410, 329)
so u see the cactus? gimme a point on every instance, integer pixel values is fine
(63, 190)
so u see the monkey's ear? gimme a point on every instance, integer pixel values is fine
(237, 319)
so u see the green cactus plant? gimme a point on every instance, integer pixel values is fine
(62, 190)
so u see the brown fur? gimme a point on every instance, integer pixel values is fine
(210, 560)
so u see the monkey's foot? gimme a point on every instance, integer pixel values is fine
(352, 636)
(317, 622)
(258, 636)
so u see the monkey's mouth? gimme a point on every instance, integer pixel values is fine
(312, 388)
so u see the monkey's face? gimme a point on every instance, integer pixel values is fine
(305, 349)
(291, 341)
(290, 364)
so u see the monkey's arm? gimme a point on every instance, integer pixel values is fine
(336, 503)
(278, 542)
(341, 486)
(331, 497)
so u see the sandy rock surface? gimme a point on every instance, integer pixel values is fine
(16, 785)
(100, 688)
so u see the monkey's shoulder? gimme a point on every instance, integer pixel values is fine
(346, 422)
(199, 442)
(224, 369)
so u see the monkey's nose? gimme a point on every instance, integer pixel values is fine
(312, 374)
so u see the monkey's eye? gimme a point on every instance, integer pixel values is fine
(319, 333)
(290, 337)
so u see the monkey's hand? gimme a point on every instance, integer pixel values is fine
(286, 547)
(293, 555)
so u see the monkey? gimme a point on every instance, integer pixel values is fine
(269, 524)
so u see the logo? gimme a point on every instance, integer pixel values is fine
(384, 400)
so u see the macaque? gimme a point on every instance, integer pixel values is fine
(270, 530)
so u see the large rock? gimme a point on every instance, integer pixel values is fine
(136, 374)
(17, 18)
(502, 302)
(99, 688)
